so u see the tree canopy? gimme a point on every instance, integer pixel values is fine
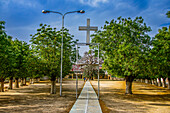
(160, 51)
(124, 44)
(168, 14)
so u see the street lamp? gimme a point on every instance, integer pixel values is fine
(63, 15)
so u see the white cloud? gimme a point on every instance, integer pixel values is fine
(122, 5)
(93, 3)
(26, 3)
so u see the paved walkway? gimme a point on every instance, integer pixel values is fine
(87, 101)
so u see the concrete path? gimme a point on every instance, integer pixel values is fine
(87, 102)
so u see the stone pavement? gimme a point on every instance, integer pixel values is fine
(87, 102)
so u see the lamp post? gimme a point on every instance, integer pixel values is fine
(63, 15)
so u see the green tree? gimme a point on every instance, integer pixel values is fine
(47, 43)
(34, 66)
(12, 70)
(160, 51)
(21, 50)
(124, 43)
(5, 55)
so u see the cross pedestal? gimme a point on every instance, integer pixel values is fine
(88, 28)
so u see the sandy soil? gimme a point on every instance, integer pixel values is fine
(146, 98)
(37, 99)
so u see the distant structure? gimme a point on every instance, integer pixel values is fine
(88, 28)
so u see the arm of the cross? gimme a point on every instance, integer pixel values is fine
(93, 28)
(84, 28)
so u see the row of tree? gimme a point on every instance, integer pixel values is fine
(125, 46)
(128, 51)
(40, 58)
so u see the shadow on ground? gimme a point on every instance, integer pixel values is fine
(36, 98)
(143, 100)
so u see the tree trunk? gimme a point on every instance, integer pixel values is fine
(2, 85)
(25, 81)
(58, 80)
(149, 81)
(164, 83)
(159, 82)
(152, 81)
(141, 80)
(11, 83)
(146, 81)
(92, 77)
(169, 83)
(16, 83)
(53, 86)
(22, 82)
(31, 81)
(129, 80)
(156, 82)
(36, 79)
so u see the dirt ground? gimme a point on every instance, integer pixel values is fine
(146, 98)
(37, 99)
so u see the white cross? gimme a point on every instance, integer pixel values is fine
(88, 28)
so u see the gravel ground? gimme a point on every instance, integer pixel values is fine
(37, 99)
(146, 98)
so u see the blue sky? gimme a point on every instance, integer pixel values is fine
(23, 17)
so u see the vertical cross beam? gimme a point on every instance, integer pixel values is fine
(88, 28)
(88, 31)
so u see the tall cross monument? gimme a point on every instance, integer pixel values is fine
(88, 28)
